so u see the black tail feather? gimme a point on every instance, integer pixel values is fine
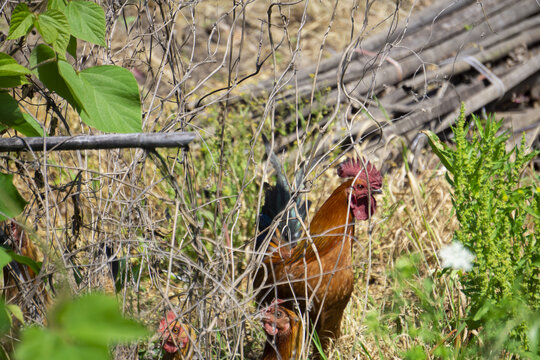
(277, 198)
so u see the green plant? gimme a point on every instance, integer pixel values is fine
(424, 320)
(417, 312)
(225, 173)
(318, 345)
(83, 328)
(106, 97)
(499, 216)
(11, 202)
(493, 260)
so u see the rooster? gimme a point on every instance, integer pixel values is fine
(177, 338)
(315, 270)
(283, 331)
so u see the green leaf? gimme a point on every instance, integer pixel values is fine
(74, 84)
(4, 258)
(42, 55)
(31, 126)
(40, 343)
(112, 102)
(57, 5)
(11, 73)
(79, 329)
(111, 97)
(37, 343)
(16, 311)
(72, 47)
(54, 28)
(12, 81)
(87, 21)
(11, 202)
(13, 118)
(21, 21)
(95, 319)
(440, 149)
(43, 58)
(83, 352)
(110, 93)
(24, 260)
(415, 353)
(10, 67)
(5, 319)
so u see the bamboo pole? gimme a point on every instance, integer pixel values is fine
(97, 142)
(491, 93)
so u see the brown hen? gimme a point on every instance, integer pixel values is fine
(283, 331)
(177, 338)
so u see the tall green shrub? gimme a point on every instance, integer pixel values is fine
(499, 215)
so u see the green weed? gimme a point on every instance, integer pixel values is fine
(485, 302)
(499, 216)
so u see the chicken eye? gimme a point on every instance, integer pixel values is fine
(175, 330)
(279, 314)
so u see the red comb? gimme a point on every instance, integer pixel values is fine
(169, 319)
(351, 168)
(170, 316)
(277, 302)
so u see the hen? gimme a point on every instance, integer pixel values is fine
(315, 270)
(22, 284)
(177, 338)
(284, 333)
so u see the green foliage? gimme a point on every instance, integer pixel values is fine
(318, 345)
(80, 329)
(24, 260)
(418, 310)
(426, 311)
(12, 117)
(106, 97)
(105, 92)
(224, 161)
(415, 353)
(54, 28)
(22, 21)
(5, 319)
(509, 326)
(11, 202)
(11, 73)
(499, 217)
(77, 329)
(87, 21)
(7, 310)
(57, 4)
(4, 258)
(498, 210)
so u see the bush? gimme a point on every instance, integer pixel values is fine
(499, 215)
